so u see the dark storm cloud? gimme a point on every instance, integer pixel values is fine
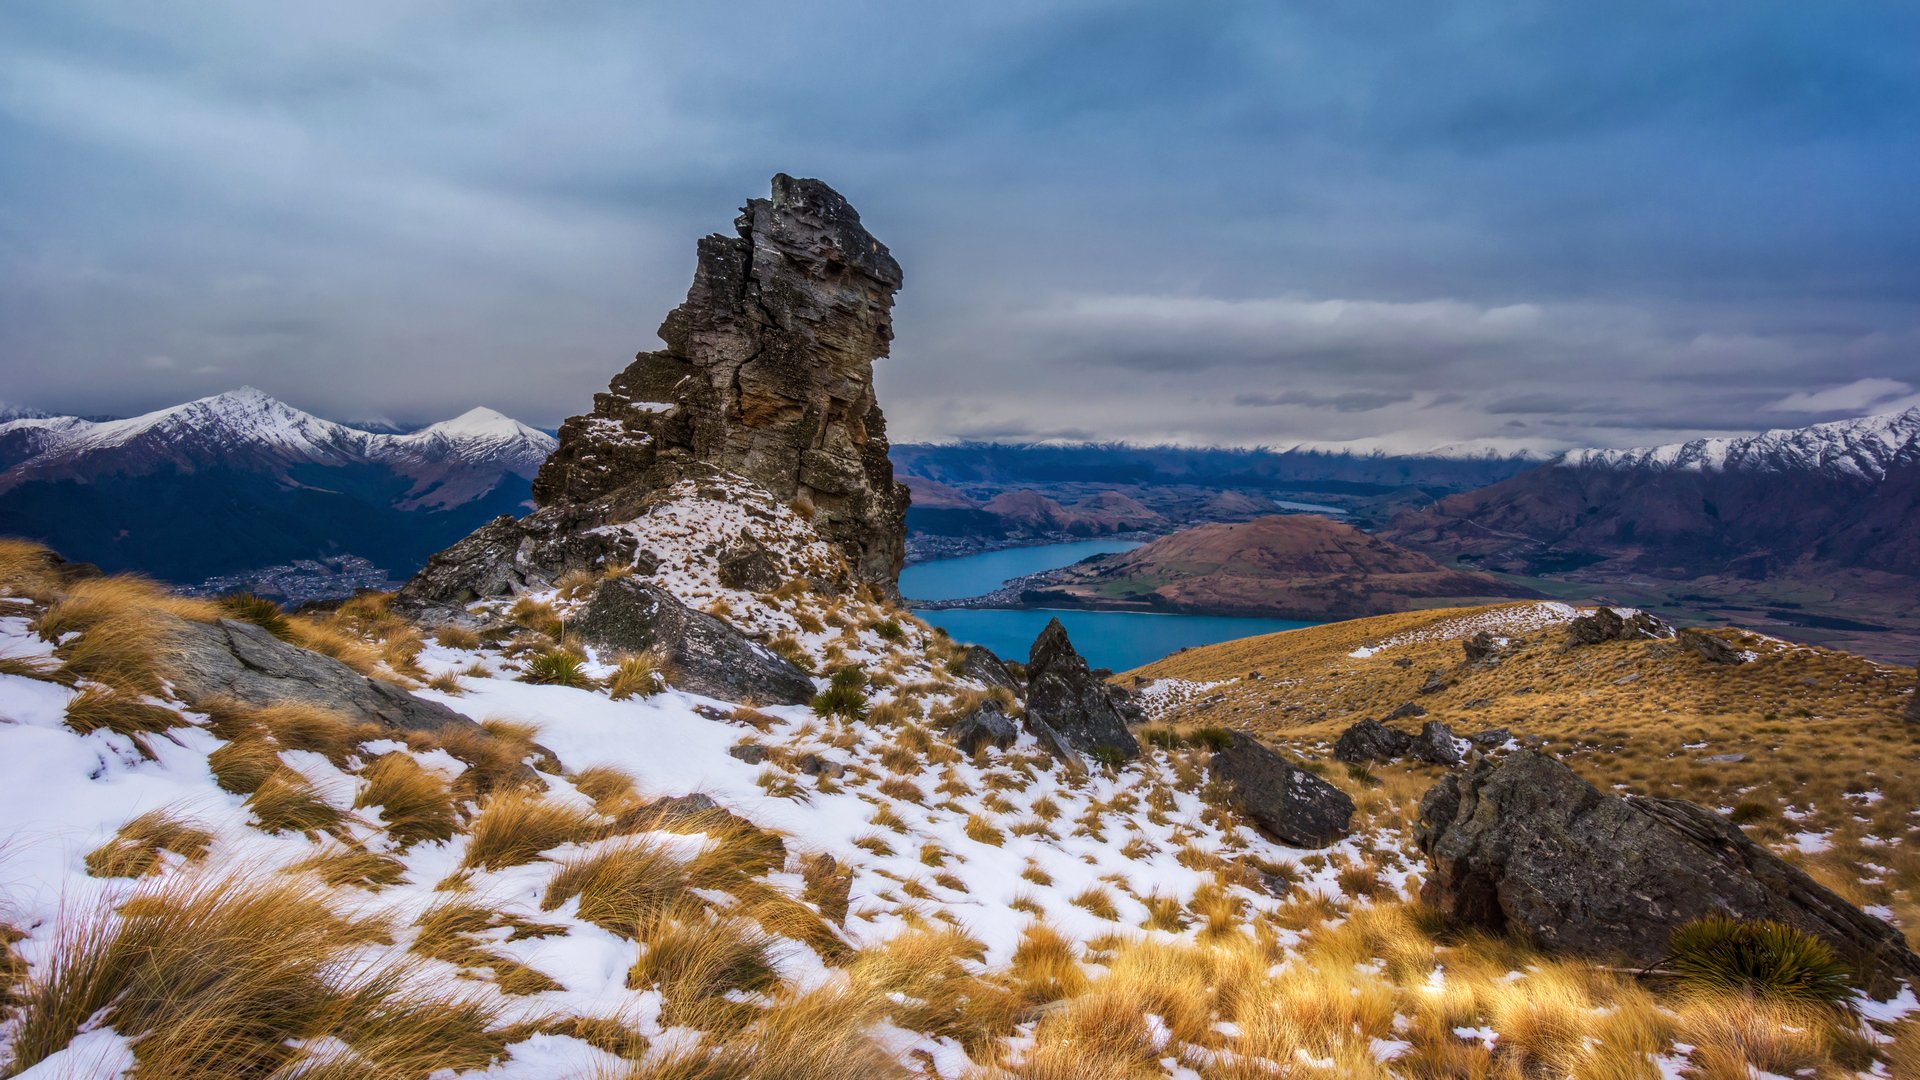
(1387, 224)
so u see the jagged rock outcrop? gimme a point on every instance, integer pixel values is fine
(767, 375)
(1527, 846)
(241, 661)
(1088, 713)
(1482, 648)
(1606, 624)
(1289, 803)
(1371, 740)
(978, 662)
(701, 654)
(1709, 648)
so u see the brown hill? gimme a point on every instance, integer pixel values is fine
(1290, 566)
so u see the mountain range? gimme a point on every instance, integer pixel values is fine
(227, 484)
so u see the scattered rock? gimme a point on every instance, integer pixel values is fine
(1407, 711)
(701, 654)
(1288, 803)
(1438, 745)
(1606, 624)
(1723, 759)
(1526, 846)
(1436, 682)
(812, 764)
(748, 566)
(979, 662)
(752, 753)
(1491, 739)
(1481, 647)
(1371, 740)
(1403, 662)
(1710, 648)
(242, 661)
(986, 725)
(1087, 713)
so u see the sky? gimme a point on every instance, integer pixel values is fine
(1378, 224)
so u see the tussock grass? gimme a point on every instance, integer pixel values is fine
(517, 825)
(135, 851)
(635, 675)
(242, 765)
(300, 726)
(458, 932)
(344, 865)
(286, 802)
(557, 667)
(122, 713)
(415, 804)
(126, 626)
(697, 958)
(257, 610)
(622, 886)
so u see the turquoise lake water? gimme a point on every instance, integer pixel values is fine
(1110, 639)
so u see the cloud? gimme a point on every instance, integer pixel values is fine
(1346, 402)
(1859, 396)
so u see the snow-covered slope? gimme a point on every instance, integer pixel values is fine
(1865, 447)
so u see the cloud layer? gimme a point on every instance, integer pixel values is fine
(1519, 225)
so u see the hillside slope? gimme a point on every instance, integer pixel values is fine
(1292, 566)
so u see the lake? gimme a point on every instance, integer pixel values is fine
(1109, 639)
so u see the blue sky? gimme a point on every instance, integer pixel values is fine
(1378, 224)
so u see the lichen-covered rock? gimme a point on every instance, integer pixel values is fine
(1438, 745)
(1371, 740)
(767, 376)
(702, 654)
(1605, 624)
(1288, 803)
(1090, 714)
(1710, 648)
(979, 662)
(241, 661)
(1528, 847)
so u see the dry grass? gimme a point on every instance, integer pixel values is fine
(415, 804)
(517, 825)
(635, 675)
(126, 626)
(286, 802)
(135, 851)
(121, 712)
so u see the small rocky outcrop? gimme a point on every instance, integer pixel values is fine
(1605, 624)
(1527, 846)
(702, 654)
(767, 375)
(1481, 648)
(1407, 711)
(1436, 682)
(1288, 803)
(1438, 745)
(238, 660)
(1062, 691)
(978, 662)
(1371, 740)
(1710, 648)
(747, 565)
(986, 725)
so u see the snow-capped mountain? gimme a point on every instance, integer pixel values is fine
(1840, 495)
(238, 480)
(1866, 447)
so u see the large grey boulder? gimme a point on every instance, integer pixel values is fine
(1528, 847)
(986, 725)
(1371, 740)
(701, 653)
(1089, 713)
(1287, 802)
(238, 660)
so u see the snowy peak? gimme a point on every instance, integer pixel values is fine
(475, 435)
(1864, 448)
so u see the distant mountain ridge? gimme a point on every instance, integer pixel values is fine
(225, 484)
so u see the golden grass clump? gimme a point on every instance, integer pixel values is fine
(635, 675)
(285, 801)
(125, 625)
(621, 886)
(517, 825)
(135, 851)
(457, 932)
(300, 726)
(123, 713)
(415, 804)
(697, 958)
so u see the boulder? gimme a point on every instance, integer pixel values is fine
(1371, 740)
(986, 725)
(701, 653)
(238, 660)
(979, 663)
(1491, 739)
(1054, 743)
(1438, 745)
(1286, 802)
(508, 556)
(748, 566)
(1481, 647)
(1710, 648)
(1526, 846)
(1605, 624)
(1407, 712)
(1088, 713)
(1436, 682)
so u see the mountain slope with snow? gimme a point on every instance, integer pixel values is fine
(240, 480)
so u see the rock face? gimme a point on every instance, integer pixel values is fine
(1062, 691)
(701, 653)
(767, 375)
(1371, 740)
(1606, 624)
(1437, 745)
(1291, 804)
(978, 662)
(1527, 846)
(242, 661)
